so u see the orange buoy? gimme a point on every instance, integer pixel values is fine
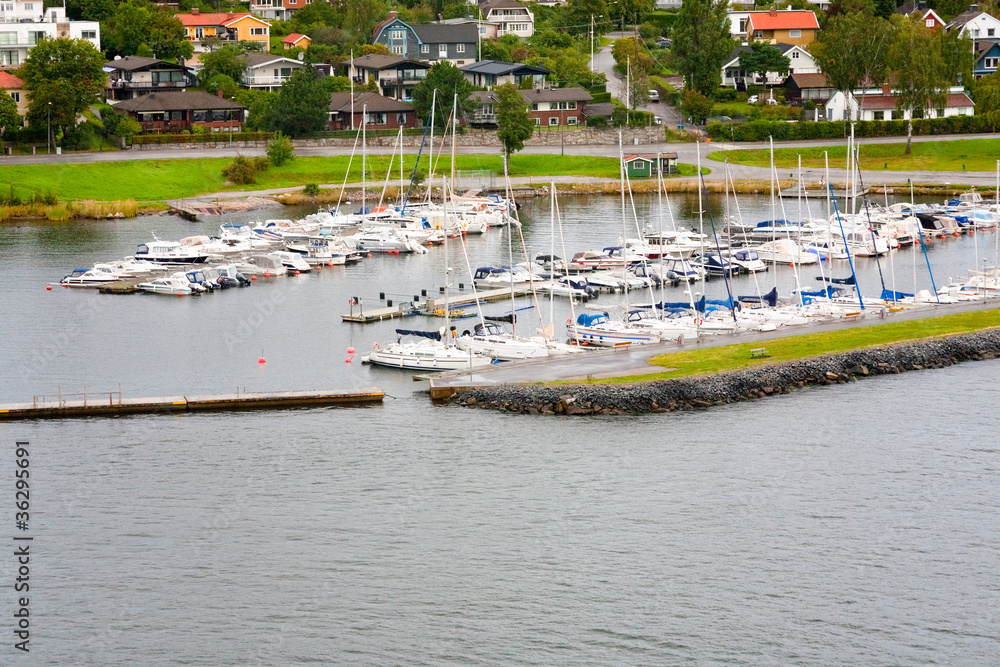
(350, 350)
(180, 294)
(369, 255)
(297, 272)
(48, 288)
(348, 360)
(253, 278)
(261, 360)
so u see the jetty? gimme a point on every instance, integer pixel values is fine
(112, 404)
(429, 307)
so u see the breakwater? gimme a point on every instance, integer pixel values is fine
(747, 384)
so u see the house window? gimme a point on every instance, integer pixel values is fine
(8, 58)
(257, 31)
(398, 50)
(561, 105)
(743, 25)
(36, 36)
(401, 118)
(571, 105)
(460, 48)
(553, 120)
(375, 119)
(6, 6)
(795, 33)
(199, 33)
(795, 55)
(88, 34)
(534, 107)
(29, 6)
(940, 112)
(8, 38)
(878, 115)
(990, 32)
(758, 34)
(571, 120)
(538, 121)
(16, 96)
(929, 23)
(395, 34)
(990, 63)
(425, 48)
(442, 50)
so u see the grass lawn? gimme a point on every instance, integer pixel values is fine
(963, 155)
(736, 357)
(156, 180)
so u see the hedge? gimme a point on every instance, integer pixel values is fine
(207, 137)
(760, 130)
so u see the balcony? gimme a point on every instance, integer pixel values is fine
(252, 81)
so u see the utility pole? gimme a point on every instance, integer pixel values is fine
(350, 75)
(593, 67)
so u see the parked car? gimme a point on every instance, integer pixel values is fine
(752, 99)
(654, 95)
(657, 120)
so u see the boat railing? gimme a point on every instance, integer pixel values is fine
(88, 398)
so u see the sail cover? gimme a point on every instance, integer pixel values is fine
(433, 335)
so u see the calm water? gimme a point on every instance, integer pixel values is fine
(842, 525)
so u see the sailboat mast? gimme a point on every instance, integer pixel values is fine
(364, 150)
(447, 268)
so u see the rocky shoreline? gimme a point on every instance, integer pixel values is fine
(743, 385)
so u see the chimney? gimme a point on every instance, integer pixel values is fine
(195, 11)
(393, 15)
(922, 5)
(973, 8)
(773, 12)
(219, 94)
(885, 89)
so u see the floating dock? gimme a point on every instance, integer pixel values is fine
(431, 306)
(111, 404)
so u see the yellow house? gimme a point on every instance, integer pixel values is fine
(226, 28)
(295, 40)
(788, 26)
(13, 86)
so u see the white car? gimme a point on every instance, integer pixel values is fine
(657, 120)
(752, 99)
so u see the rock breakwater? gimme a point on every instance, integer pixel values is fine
(747, 384)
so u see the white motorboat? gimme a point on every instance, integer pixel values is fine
(169, 252)
(785, 251)
(292, 261)
(173, 285)
(576, 289)
(101, 274)
(492, 340)
(261, 265)
(428, 353)
(384, 240)
(748, 260)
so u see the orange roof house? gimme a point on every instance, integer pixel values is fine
(13, 86)
(295, 40)
(227, 28)
(792, 26)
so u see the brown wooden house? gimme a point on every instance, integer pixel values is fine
(179, 111)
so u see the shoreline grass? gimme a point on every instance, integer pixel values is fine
(727, 358)
(962, 155)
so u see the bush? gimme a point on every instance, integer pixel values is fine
(759, 130)
(726, 95)
(280, 150)
(310, 190)
(243, 170)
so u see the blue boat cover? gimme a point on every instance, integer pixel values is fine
(837, 281)
(889, 295)
(585, 320)
(433, 335)
(771, 298)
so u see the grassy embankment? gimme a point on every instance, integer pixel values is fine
(159, 180)
(727, 358)
(962, 155)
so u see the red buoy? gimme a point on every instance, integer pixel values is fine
(348, 360)
(180, 294)
(267, 275)
(297, 272)
(48, 288)
(253, 278)
(350, 350)
(261, 360)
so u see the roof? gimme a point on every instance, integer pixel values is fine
(499, 68)
(556, 95)
(746, 48)
(501, 4)
(9, 81)
(966, 16)
(650, 157)
(804, 81)
(885, 102)
(292, 38)
(199, 19)
(375, 102)
(795, 19)
(138, 63)
(377, 61)
(599, 109)
(177, 101)
(482, 96)
(256, 59)
(465, 33)
(985, 46)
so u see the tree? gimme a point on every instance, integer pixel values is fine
(634, 90)
(229, 59)
(578, 16)
(854, 51)
(361, 16)
(303, 104)
(702, 43)
(695, 105)
(918, 67)
(9, 118)
(447, 80)
(513, 123)
(65, 76)
(763, 58)
(629, 52)
(90, 10)
(986, 94)
(224, 83)
(956, 52)
(262, 109)
(313, 15)
(377, 49)
(630, 11)
(138, 22)
(280, 150)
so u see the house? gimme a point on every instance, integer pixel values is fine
(349, 110)
(206, 30)
(485, 114)
(295, 41)
(395, 76)
(813, 87)
(281, 10)
(132, 76)
(486, 29)
(975, 24)
(644, 165)
(987, 57)
(14, 87)
(490, 73)
(559, 106)
(510, 17)
(882, 106)
(598, 110)
(919, 7)
(266, 71)
(24, 22)
(786, 26)
(179, 111)
(800, 62)
(454, 43)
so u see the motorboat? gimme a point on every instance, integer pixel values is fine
(427, 353)
(573, 288)
(200, 280)
(785, 251)
(683, 269)
(594, 259)
(172, 285)
(667, 328)
(169, 252)
(748, 260)
(226, 276)
(292, 261)
(714, 264)
(261, 265)
(95, 277)
(492, 340)
(384, 240)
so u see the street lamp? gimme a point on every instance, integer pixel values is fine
(48, 128)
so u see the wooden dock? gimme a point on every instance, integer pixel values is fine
(111, 404)
(430, 307)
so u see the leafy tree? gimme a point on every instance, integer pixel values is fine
(846, 7)
(695, 105)
(303, 104)
(854, 50)
(578, 15)
(496, 50)
(90, 10)
(378, 49)
(229, 59)
(313, 15)
(918, 67)
(361, 16)
(138, 22)
(9, 118)
(280, 150)
(956, 52)
(513, 123)
(447, 80)
(702, 43)
(635, 89)
(630, 11)
(65, 76)
(763, 58)
(224, 83)
(551, 39)
(986, 94)
(629, 52)
(262, 109)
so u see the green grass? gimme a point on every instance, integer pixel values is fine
(156, 180)
(737, 357)
(963, 155)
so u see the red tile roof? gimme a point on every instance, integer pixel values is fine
(192, 20)
(886, 102)
(292, 38)
(9, 81)
(784, 20)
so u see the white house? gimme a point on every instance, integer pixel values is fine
(511, 18)
(881, 105)
(975, 24)
(24, 22)
(267, 71)
(801, 62)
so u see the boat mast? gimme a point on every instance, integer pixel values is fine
(447, 268)
(364, 150)
(430, 150)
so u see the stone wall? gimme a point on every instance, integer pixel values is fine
(584, 136)
(751, 383)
